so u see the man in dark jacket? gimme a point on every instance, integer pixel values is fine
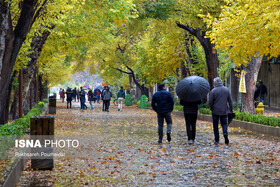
(190, 113)
(162, 103)
(120, 96)
(69, 95)
(107, 95)
(221, 105)
(263, 91)
(83, 99)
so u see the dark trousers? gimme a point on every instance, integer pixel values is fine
(69, 102)
(168, 119)
(191, 125)
(83, 105)
(107, 104)
(216, 119)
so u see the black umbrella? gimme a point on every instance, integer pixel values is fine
(192, 88)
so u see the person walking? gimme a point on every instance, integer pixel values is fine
(190, 114)
(74, 94)
(107, 95)
(95, 95)
(62, 95)
(121, 97)
(69, 95)
(90, 98)
(162, 104)
(83, 99)
(219, 100)
(98, 93)
(102, 94)
(263, 91)
(78, 95)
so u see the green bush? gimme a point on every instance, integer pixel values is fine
(242, 116)
(178, 107)
(19, 126)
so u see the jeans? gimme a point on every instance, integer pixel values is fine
(120, 103)
(191, 125)
(261, 99)
(223, 119)
(83, 105)
(168, 119)
(98, 99)
(69, 102)
(107, 104)
(90, 102)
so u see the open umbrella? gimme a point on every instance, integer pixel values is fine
(86, 86)
(192, 88)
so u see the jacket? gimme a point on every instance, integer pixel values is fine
(69, 94)
(162, 102)
(190, 107)
(107, 94)
(121, 93)
(220, 100)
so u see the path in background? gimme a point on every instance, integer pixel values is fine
(120, 148)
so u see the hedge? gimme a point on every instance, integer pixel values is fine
(19, 126)
(242, 116)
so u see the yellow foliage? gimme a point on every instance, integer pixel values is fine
(247, 28)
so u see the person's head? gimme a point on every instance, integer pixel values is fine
(121, 88)
(161, 86)
(261, 82)
(81, 88)
(107, 88)
(217, 81)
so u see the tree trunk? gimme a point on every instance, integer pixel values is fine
(210, 52)
(14, 40)
(251, 76)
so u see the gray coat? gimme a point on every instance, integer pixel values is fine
(107, 94)
(220, 100)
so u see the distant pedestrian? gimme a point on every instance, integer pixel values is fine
(107, 95)
(162, 103)
(95, 95)
(121, 97)
(83, 99)
(190, 114)
(220, 102)
(78, 95)
(102, 93)
(98, 93)
(69, 94)
(74, 94)
(90, 98)
(62, 95)
(263, 91)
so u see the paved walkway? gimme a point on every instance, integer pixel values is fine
(120, 149)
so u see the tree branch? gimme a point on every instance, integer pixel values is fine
(186, 27)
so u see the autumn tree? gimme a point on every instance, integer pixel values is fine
(188, 19)
(246, 30)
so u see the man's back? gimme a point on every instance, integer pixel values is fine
(219, 99)
(162, 102)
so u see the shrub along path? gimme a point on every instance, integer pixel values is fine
(120, 148)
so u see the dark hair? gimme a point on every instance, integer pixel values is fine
(121, 87)
(161, 85)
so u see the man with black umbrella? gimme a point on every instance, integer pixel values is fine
(219, 100)
(162, 103)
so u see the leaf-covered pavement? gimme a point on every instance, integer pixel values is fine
(120, 149)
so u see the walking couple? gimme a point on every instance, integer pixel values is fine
(219, 99)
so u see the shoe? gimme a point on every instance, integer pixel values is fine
(216, 143)
(159, 141)
(168, 137)
(226, 139)
(190, 141)
(118, 109)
